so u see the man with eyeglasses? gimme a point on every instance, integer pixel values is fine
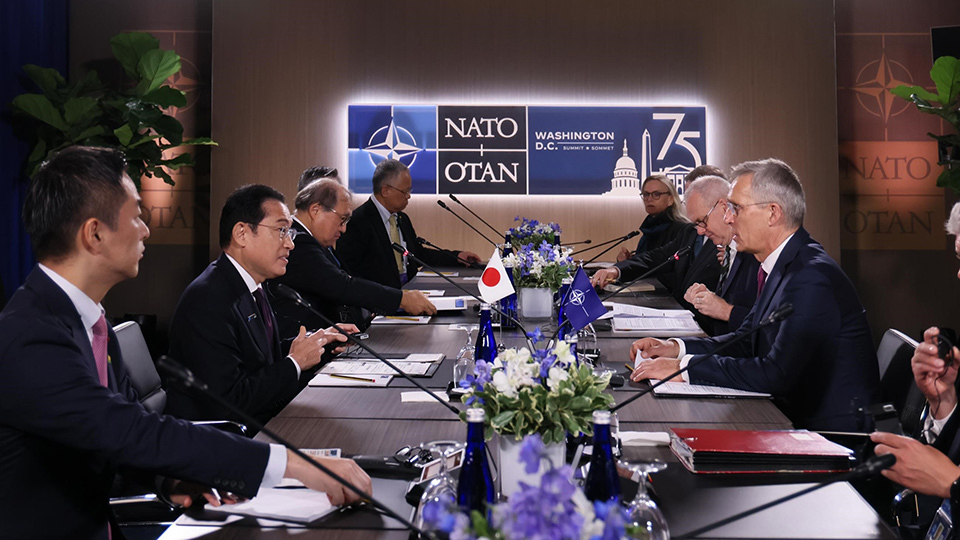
(678, 277)
(376, 224)
(317, 273)
(819, 363)
(224, 328)
(724, 307)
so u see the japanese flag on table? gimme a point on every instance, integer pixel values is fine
(494, 283)
(582, 305)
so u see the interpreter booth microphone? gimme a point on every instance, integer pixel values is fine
(680, 253)
(869, 468)
(403, 251)
(448, 209)
(181, 376)
(293, 295)
(778, 315)
(495, 231)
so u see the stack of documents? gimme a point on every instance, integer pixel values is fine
(298, 505)
(639, 321)
(684, 389)
(731, 451)
(400, 319)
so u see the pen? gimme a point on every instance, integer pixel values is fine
(351, 378)
(629, 367)
(217, 495)
(398, 318)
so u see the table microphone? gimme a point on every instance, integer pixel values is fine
(614, 241)
(492, 228)
(403, 251)
(778, 315)
(587, 241)
(448, 209)
(625, 238)
(183, 377)
(866, 469)
(682, 252)
(423, 241)
(293, 295)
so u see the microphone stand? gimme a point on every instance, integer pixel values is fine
(448, 209)
(778, 314)
(495, 231)
(625, 238)
(185, 378)
(400, 249)
(293, 295)
(866, 469)
(616, 240)
(588, 241)
(423, 241)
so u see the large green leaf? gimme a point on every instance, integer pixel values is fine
(206, 141)
(502, 419)
(39, 107)
(78, 110)
(48, 79)
(946, 75)
(166, 96)
(129, 48)
(181, 160)
(154, 69)
(88, 84)
(124, 134)
(39, 150)
(92, 131)
(907, 92)
(170, 128)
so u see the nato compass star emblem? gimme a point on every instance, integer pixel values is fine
(393, 142)
(576, 297)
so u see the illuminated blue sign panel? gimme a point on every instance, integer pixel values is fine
(516, 150)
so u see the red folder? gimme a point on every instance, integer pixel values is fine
(734, 451)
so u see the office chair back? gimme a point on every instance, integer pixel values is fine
(896, 375)
(140, 367)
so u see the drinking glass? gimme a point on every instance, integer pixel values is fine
(465, 360)
(644, 519)
(442, 490)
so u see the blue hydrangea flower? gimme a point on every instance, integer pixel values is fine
(438, 516)
(536, 336)
(532, 451)
(613, 517)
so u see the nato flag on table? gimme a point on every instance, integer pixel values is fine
(582, 306)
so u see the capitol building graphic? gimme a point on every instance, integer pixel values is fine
(627, 178)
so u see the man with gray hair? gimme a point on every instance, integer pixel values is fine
(819, 363)
(321, 277)
(724, 308)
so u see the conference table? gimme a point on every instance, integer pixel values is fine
(376, 421)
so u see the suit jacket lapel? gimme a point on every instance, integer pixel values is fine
(380, 231)
(246, 306)
(731, 275)
(772, 283)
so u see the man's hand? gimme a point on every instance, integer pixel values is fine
(934, 377)
(919, 467)
(691, 294)
(333, 336)
(306, 350)
(624, 254)
(711, 305)
(604, 276)
(653, 348)
(467, 258)
(183, 493)
(318, 481)
(659, 368)
(415, 303)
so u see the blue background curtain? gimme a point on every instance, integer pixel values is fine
(31, 32)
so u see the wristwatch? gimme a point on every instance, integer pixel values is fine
(955, 493)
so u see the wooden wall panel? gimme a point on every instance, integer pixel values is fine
(285, 71)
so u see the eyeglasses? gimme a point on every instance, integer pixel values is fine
(655, 195)
(734, 208)
(343, 219)
(406, 192)
(285, 232)
(702, 223)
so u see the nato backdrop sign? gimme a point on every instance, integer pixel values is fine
(519, 150)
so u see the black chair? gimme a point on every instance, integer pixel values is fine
(896, 375)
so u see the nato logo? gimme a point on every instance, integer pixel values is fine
(407, 133)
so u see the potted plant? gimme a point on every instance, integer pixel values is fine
(543, 391)
(538, 272)
(88, 112)
(944, 103)
(531, 231)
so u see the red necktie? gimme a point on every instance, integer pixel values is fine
(99, 346)
(761, 277)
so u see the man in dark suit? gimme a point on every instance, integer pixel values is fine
(365, 247)
(676, 277)
(316, 173)
(819, 363)
(736, 290)
(317, 273)
(69, 416)
(224, 328)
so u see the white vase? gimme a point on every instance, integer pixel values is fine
(511, 468)
(536, 303)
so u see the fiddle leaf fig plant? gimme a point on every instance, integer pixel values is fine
(130, 118)
(945, 104)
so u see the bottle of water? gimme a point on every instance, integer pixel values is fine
(564, 327)
(572, 340)
(508, 304)
(507, 245)
(475, 488)
(603, 483)
(486, 344)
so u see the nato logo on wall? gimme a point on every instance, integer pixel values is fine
(516, 150)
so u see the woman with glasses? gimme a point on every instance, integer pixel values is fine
(664, 220)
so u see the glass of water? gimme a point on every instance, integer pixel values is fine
(465, 360)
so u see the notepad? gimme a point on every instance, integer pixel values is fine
(431, 273)
(655, 326)
(297, 505)
(401, 319)
(363, 368)
(432, 292)
(629, 311)
(674, 388)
